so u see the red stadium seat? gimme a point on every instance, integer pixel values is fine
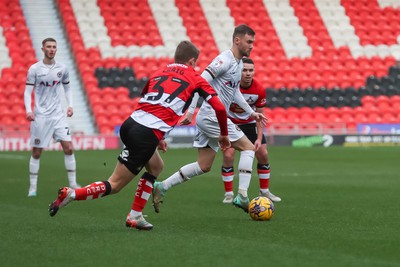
(293, 115)
(389, 117)
(368, 101)
(373, 117)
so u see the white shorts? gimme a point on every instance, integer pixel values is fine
(43, 129)
(208, 132)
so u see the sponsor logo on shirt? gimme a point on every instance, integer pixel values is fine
(49, 84)
(231, 84)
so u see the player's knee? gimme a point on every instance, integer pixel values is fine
(67, 147)
(262, 156)
(205, 169)
(36, 154)
(68, 151)
(229, 157)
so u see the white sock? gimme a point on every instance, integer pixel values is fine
(134, 213)
(242, 192)
(70, 166)
(34, 165)
(245, 168)
(183, 175)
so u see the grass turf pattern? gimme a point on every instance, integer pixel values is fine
(340, 207)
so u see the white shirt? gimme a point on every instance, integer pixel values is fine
(224, 74)
(46, 81)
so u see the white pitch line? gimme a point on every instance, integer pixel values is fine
(8, 156)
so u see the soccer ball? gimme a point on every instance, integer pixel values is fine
(261, 209)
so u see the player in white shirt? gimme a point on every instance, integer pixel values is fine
(48, 121)
(255, 96)
(223, 74)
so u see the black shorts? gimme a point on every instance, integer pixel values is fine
(140, 143)
(250, 130)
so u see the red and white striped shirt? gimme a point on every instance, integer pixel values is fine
(169, 93)
(255, 96)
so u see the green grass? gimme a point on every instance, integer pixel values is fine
(340, 208)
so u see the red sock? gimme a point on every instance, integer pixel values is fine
(93, 191)
(264, 183)
(263, 171)
(143, 192)
(227, 177)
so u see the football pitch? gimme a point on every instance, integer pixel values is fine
(340, 207)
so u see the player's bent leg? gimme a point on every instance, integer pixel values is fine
(203, 164)
(119, 179)
(181, 176)
(155, 165)
(66, 195)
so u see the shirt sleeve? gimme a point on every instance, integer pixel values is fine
(30, 84)
(218, 66)
(207, 76)
(65, 79)
(28, 97)
(31, 77)
(204, 90)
